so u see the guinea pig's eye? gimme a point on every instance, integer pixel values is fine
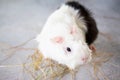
(68, 49)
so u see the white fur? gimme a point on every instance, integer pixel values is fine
(59, 24)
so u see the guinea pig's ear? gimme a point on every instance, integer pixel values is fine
(72, 30)
(58, 39)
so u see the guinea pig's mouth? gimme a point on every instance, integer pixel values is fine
(86, 60)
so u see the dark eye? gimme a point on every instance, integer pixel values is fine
(68, 49)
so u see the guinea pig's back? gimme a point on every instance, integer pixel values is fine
(88, 20)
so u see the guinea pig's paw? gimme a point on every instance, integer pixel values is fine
(92, 47)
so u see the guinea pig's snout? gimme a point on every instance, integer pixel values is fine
(84, 59)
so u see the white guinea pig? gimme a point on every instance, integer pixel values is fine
(67, 35)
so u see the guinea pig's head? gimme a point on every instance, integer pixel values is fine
(69, 52)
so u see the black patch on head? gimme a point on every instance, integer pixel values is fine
(92, 32)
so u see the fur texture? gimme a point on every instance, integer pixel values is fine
(66, 28)
(90, 23)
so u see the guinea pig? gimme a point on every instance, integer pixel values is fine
(67, 35)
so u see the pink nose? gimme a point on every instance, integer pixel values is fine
(84, 59)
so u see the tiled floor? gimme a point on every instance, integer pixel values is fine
(21, 20)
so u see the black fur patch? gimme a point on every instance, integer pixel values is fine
(92, 32)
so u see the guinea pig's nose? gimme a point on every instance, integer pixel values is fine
(84, 59)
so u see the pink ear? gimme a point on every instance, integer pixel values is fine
(73, 30)
(58, 39)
